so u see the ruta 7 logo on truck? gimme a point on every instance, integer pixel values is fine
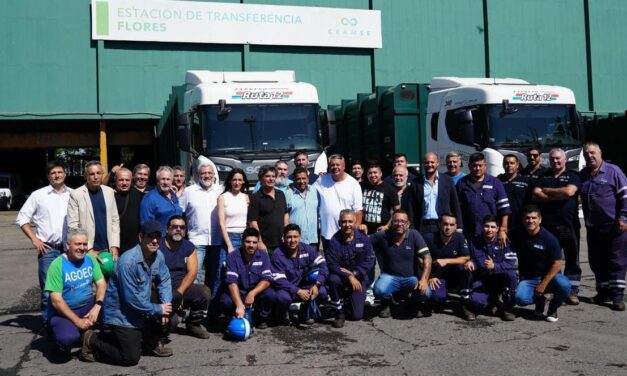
(535, 96)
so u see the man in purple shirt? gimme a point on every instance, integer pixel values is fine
(604, 198)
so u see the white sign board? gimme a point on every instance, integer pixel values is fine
(205, 22)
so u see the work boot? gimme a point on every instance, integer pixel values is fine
(339, 320)
(618, 305)
(197, 330)
(600, 299)
(538, 312)
(385, 311)
(572, 300)
(507, 314)
(161, 351)
(467, 313)
(423, 310)
(86, 354)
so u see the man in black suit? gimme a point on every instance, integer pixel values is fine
(434, 194)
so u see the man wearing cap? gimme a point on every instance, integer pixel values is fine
(133, 313)
(299, 272)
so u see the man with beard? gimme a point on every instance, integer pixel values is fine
(180, 257)
(301, 159)
(161, 203)
(127, 199)
(435, 194)
(405, 192)
(405, 264)
(141, 173)
(338, 190)
(400, 160)
(268, 210)
(517, 187)
(282, 181)
(534, 164)
(92, 207)
(199, 203)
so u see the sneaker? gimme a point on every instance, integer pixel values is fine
(385, 311)
(86, 354)
(552, 316)
(467, 313)
(198, 331)
(369, 299)
(572, 300)
(339, 321)
(618, 305)
(161, 351)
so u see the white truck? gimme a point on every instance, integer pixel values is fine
(501, 116)
(244, 119)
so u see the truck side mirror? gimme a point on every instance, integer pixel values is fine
(184, 133)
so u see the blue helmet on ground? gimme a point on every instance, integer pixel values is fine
(239, 329)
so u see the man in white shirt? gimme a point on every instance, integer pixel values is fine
(199, 202)
(338, 191)
(46, 208)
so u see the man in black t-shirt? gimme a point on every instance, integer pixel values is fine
(401, 252)
(182, 262)
(556, 191)
(128, 199)
(379, 201)
(268, 210)
(517, 187)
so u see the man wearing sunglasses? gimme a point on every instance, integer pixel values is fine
(534, 164)
(133, 314)
(182, 261)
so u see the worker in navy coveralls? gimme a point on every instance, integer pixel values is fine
(451, 256)
(292, 263)
(556, 193)
(405, 264)
(540, 261)
(481, 194)
(349, 258)
(248, 279)
(494, 271)
(517, 187)
(604, 198)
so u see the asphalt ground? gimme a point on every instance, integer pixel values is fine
(587, 340)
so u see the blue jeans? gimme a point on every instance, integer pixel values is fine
(210, 258)
(388, 284)
(559, 286)
(236, 239)
(44, 262)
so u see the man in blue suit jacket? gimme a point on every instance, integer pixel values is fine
(435, 194)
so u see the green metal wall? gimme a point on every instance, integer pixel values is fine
(50, 65)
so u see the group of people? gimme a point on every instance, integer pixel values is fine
(191, 253)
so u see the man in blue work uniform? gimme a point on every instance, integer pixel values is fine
(534, 164)
(556, 192)
(349, 258)
(604, 198)
(130, 310)
(539, 263)
(160, 204)
(494, 272)
(481, 194)
(248, 279)
(292, 264)
(405, 264)
(517, 187)
(450, 255)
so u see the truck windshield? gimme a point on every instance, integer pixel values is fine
(258, 127)
(529, 125)
(4, 182)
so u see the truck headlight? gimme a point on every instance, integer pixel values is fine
(3, 194)
(223, 168)
(573, 158)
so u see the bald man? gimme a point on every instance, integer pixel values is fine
(128, 199)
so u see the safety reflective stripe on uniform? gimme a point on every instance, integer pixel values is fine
(233, 274)
(276, 276)
(465, 293)
(622, 189)
(423, 250)
(575, 282)
(319, 260)
(502, 200)
(267, 272)
(335, 304)
(603, 284)
(620, 283)
(511, 256)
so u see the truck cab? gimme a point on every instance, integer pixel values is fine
(249, 119)
(499, 117)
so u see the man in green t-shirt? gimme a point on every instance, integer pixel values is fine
(69, 282)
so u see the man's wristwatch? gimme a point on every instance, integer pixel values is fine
(99, 302)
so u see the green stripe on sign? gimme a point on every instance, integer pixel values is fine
(102, 18)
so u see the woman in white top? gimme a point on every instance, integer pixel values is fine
(233, 208)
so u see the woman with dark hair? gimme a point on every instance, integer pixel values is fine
(233, 208)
